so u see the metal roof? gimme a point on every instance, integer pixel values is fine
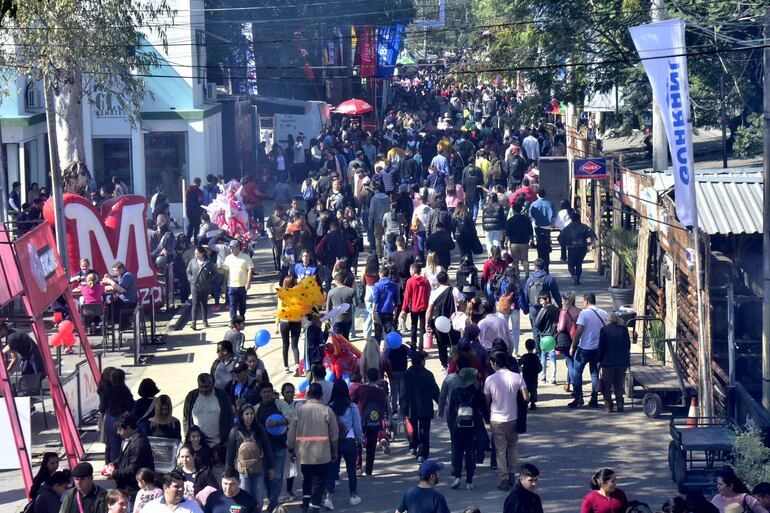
(729, 200)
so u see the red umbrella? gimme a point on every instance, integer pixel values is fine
(353, 107)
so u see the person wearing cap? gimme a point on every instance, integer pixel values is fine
(423, 498)
(239, 268)
(466, 413)
(242, 388)
(312, 441)
(85, 497)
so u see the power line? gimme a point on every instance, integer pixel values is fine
(629, 60)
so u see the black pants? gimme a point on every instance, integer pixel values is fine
(193, 227)
(370, 444)
(293, 330)
(418, 320)
(444, 341)
(421, 438)
(543, 245)
(199, 298)
(386, 325)
(313, 483)
(343, 328)
(575, 258)
(463, 450)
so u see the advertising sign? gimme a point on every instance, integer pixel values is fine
(590, 168)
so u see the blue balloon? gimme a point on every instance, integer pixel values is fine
(262, 338)
(302, 387)
(276, 430)
(393, 340)
(329, 375)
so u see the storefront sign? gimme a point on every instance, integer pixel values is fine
(590, 168)
(106, 105)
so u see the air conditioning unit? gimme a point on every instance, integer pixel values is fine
(211, 91)
(33, 100)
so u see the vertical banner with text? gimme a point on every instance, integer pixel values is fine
(662, 49)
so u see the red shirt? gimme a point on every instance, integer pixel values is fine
(595, 502)
(491, 268)
(416, 294)
(529, 194)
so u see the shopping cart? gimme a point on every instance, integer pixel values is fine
(164, 452)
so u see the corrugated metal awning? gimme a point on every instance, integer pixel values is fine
(729, 200)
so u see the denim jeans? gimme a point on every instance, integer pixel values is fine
(570, 362)
(274, 485)
(348, 453)
(216, 287)
(419, 245)
(368, 320)
(237, 297)
(395, 390)
(535, 332)
(515, 330)
(585, 357)
(544, 357)
(254, 484)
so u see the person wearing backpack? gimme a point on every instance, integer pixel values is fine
(418, 393)
(538, 282)
(493, 273)
(443, 303)
(547, 322)
(372, 404)
(465, 416)
(575, 237)
(249, 453)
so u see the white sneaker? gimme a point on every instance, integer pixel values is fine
(328, 504)
(287, 370)
(456, 483)
(355, 500)
(469, 486)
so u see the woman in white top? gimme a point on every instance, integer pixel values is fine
(432, 269)
(561, 221)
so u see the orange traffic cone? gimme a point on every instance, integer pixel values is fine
(692, 415)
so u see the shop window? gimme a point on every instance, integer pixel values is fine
(112, 157)
(165, 163)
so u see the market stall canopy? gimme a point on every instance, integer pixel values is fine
(353, 107)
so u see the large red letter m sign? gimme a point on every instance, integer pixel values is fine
(116, 234)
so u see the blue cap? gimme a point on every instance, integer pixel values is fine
(429, 467)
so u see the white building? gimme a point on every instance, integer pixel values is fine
(179, 136)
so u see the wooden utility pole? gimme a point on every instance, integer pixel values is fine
(766, 224)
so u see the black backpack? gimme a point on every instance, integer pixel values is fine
(535, 288)
(496, 284)
(445, 304)
(372, 420)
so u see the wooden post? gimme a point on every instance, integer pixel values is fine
(617, 222)
(640, 281)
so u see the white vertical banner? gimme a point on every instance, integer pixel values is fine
(662, 49)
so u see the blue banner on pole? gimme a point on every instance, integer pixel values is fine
(388, 48)
(590, 168)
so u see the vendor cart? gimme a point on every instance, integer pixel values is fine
(698, 449)
(663, 385)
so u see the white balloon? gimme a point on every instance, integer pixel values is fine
(443, 324)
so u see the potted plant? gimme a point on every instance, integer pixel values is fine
(623, 242)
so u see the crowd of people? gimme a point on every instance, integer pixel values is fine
(406, 197)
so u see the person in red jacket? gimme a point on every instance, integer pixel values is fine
(529, 193)
(416, 297)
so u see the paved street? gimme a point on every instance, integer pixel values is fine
(566, 445)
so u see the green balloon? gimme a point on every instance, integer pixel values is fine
(547, 343)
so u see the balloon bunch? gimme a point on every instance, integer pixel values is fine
(299, 300)
(65, 336)
(229, 213)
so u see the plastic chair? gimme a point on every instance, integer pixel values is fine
(31, 385)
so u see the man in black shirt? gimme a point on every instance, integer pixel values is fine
(575, 237)
(523, 498)
(23, 351)
(441, 242)
(232, 498)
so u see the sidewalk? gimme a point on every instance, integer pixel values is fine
(567, 446)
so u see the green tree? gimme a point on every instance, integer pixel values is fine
(79, 47)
